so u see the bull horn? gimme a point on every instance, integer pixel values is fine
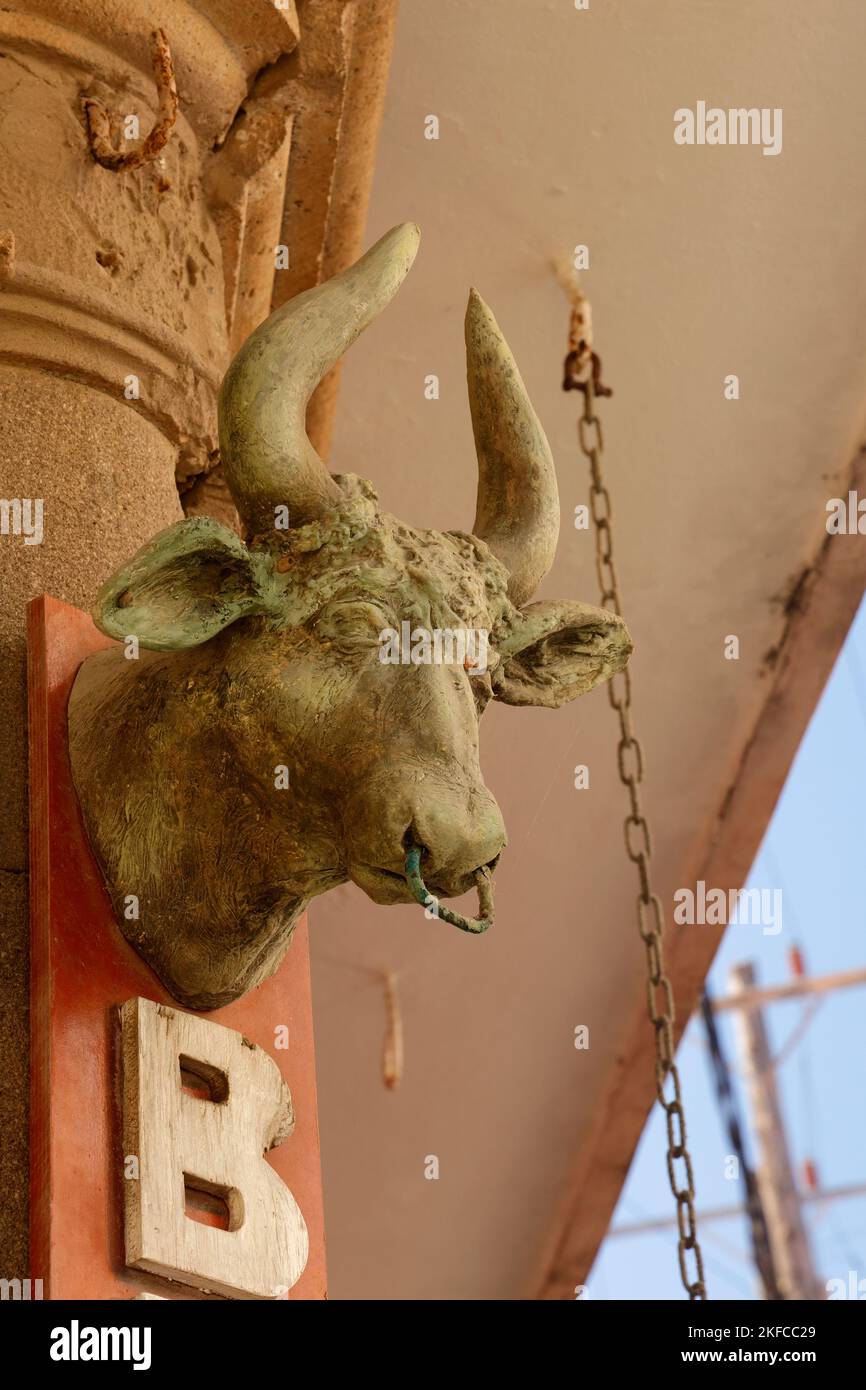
(517, 512)
(269, 460)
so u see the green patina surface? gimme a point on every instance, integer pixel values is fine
(256, 750)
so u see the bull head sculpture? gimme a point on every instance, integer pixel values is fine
(260, 752)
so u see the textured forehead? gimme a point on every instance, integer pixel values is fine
(443, 578)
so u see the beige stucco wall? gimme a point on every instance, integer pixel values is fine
(556, 127)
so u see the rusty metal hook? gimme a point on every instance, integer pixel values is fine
(99, 121)
(574, 363)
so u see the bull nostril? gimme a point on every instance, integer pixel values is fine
(412, 840)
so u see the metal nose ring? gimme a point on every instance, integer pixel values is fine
(483, 882)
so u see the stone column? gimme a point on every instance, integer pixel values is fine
(113, 339)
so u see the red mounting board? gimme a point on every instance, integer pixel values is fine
(82, 969)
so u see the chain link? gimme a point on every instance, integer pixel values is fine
(638, 843)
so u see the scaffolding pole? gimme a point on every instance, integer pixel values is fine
(780, 1199)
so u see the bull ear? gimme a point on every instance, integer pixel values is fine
(557, 651)
(183, 587)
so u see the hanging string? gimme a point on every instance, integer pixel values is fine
(392, 1051)
(392, 1046)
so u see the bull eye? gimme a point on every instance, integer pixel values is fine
(351, 621)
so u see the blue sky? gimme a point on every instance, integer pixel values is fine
(815, 850)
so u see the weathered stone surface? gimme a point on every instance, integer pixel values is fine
(104, 276)
(14, 1059)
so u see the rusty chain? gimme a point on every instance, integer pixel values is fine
(638, 842)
